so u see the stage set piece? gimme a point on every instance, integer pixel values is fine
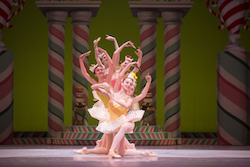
(6, 73)
(233, 83)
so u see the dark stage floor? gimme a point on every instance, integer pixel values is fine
(172, 156)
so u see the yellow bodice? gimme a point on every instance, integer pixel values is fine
(116, 110)
(104, 99)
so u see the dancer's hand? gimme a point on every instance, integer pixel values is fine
(133, 64)
(82, 56)
(139, 52)
(148, 78)
(101, 50)
(105, 85)
(110, 38)
(130, 44)
(95, 42)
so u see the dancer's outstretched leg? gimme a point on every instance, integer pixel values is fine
(146, 153)
(125, 128)
(102, 147)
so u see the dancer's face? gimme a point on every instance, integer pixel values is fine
(124, 64)
(104, 59)
(99, 72)
(128, 86)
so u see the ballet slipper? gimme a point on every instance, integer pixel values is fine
(84, 150)
(148, 153)
(78, 151)
(112, 154)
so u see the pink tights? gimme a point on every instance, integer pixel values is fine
(119, 138)
(125, 128)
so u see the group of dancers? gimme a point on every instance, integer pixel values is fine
(114, 89)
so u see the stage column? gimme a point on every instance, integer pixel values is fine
(7, 73)
(56, 23)
(233, 102)
(233, 75)
(148, 22)
(172, 35)
(80, 22)
(6, 96)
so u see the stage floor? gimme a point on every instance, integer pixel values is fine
(173, 156)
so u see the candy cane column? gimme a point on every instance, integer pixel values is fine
(172, 22)
(233, 101)
(56, 22)
(148, 22)
(80, 22)
(6, 97)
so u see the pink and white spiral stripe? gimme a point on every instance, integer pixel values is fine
(15, 13)
(148, 65)
(80, 45)
(172, 79)
(5, 9)
(233, 98)
(232, 13)
(6, 97)
(214, 4)
(56, 79)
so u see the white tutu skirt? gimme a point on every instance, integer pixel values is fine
(108, 126)
(99, 112)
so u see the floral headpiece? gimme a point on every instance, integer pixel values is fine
(92, 67)
(129, 58)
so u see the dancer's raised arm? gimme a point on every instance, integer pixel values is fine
(110, 38)
(145, 89)
(116, 54)
(97, 58)
(136, 99)
(110, 62)
(139, 54)
(121, 75)
(103, 88)
(83, 69)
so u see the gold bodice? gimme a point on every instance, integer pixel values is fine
(104, 99)
(116, 110)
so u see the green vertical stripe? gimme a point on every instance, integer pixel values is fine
(6, 118)
(232, 125)
(56, 48)
(172, 111)
(171, 49)
(240, 69)
(79, 47)
(56, 80)
(172, 80)
(55, 111)
(6, 58)
(149, 47)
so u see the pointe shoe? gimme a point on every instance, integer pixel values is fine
(78, 151)
(84, 150)
(112, 154)
(148, 153)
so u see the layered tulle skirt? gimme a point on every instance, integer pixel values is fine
(108, 126)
